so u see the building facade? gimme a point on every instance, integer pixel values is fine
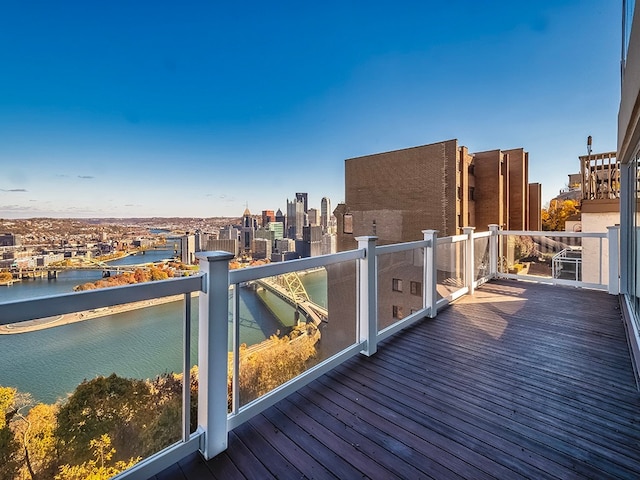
(395, 195)
(628, 155)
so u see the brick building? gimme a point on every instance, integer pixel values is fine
(395, 195)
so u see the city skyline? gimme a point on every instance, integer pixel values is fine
(150, 110)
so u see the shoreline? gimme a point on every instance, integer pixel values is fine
(69, 318)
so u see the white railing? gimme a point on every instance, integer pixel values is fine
(567, 262)
(537, 256)
(442, 270)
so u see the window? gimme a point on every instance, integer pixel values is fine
(397, 312)
(348, 224)
(396, 285)
(416, 288)
(471, 192)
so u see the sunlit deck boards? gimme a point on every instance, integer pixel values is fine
(521, 381)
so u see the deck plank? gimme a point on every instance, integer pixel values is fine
(521, 380)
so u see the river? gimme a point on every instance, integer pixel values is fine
(142, 343)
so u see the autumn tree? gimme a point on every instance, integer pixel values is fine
(281, 360)
(9, 447)
(165, 427)
(557, 213)
(109, 405)
(101, 466)
(35, 433)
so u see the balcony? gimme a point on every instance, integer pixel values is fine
(514, 380)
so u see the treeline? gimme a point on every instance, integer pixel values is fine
(109, 423)
(152, 273)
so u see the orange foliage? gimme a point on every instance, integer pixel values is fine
(140, 275)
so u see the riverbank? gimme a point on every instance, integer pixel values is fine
(50, 322)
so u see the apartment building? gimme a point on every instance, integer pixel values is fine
(441, 186)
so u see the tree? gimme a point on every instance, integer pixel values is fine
(279, 361)
(35, 432)
(166, 395)
(100, 467)
(9, 446)
(554, 216)
(119, 407)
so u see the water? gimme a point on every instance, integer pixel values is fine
(142, 343)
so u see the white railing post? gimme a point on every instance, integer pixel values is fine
(613, 234)
(469, 258)
(213, 347)
(493, 250)
(368, 297)
(430, 284)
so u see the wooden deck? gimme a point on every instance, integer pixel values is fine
(520, 381)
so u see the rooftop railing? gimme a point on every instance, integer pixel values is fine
(370, 294)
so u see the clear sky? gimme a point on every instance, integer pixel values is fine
(196, 109)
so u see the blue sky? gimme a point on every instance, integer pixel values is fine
(196, 109)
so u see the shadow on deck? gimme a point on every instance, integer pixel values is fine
(520, 381)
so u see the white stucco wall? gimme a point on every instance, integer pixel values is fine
(596, 222)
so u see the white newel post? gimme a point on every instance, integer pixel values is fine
(469, 260)
(368, 295)
(213, 349)
(493, 250)
(613, 234)
(430, 284)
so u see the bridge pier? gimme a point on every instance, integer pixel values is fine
(52, 274)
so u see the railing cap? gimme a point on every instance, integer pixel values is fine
(215, 256)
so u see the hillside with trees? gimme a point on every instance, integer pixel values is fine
(109, 423)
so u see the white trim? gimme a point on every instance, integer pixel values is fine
(453, 239)
(158, 462)
(401, 247)
(402, 324)
(633, 336)
(545, 233)
(54, 305)
(552, 281)
(279, 268)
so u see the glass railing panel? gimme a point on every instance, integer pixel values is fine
(107, 380)
(400, 285)
(579, 257)
(450, 259)
(289, 323)
(534, 255)
(482, 257)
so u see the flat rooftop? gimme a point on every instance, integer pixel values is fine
(521, 380)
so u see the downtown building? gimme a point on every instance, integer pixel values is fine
(442, 186)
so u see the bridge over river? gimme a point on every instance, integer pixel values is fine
(51, 271)
(289, 288)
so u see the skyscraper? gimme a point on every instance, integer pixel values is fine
(295, 217)
(325, 213)
(247, 231)
(302, 197)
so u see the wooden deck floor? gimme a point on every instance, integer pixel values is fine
(520, 381)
